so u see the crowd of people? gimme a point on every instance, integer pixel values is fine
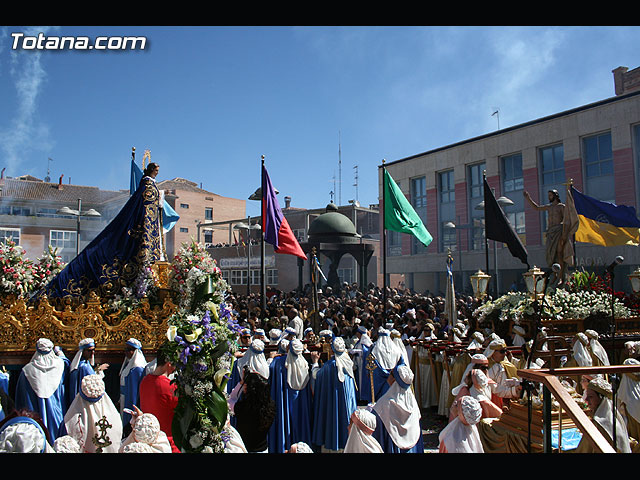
(355, 375)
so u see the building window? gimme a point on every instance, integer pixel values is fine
(208, 236)
(12, 234)
(447, 188)
(208, 213)
(345, 275)
(552, 165)
(419, 202)
(255, 277)
(598, 155)
(62, 239)
(476, 195)
(512, 173)
(552, 176)
(419, 192)
(184, 230)
(184, 205)
(272, 276)
(238, 277)
(15, 210)
(447, 210)
(598, 165)
(299, 234)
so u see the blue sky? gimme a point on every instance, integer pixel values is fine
(209, 101)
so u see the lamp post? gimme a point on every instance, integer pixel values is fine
(248, 227)
(458, 227)
(78, 213)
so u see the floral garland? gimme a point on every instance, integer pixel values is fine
(561, 303)
(202, 341)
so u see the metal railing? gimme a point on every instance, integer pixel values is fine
(553, 387)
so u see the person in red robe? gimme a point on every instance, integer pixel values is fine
(157, 395)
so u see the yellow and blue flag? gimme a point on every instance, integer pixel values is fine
(605, 223)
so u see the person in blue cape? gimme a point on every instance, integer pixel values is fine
(334, 401)
(41, 388)
(131, 374)
(386, 356)
(81, 366)
(291, 391)
(120, 253)
(398, 428)
(4, 380)
(358, 352)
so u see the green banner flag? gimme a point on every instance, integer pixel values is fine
(399, 215)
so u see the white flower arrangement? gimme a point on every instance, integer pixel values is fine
(561, 304)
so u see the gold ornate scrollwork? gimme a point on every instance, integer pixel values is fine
(21, 325)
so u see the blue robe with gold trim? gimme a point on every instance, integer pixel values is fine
(117, 255)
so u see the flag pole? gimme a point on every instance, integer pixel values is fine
(384, 245)
(486, 241)
(263, 290)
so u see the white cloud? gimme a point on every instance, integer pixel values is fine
(24, 131)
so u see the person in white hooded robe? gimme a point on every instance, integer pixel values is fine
(597, 350)
(358, 352)
(253, 360)
(41, 387)
(291, 392)
(146, 429)
(461, 434)
(83, 363)
(398, 428)
(93, 418)
(131, 374)
(628, 398)
(386, 356)
(23, 434)
(598, 397)
(361, 428)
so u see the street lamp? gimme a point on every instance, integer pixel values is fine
(634, 278)
(78, 213)
(479, 283)
(534, 280)
(248, 227)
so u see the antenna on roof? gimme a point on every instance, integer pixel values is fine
(339, 171)
(48, 178)
(496, 112)
(355, 167)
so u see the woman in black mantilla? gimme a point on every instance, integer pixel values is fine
(115, 258)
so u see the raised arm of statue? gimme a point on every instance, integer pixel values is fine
(534, 204)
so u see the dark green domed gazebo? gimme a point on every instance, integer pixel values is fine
(334, 235)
